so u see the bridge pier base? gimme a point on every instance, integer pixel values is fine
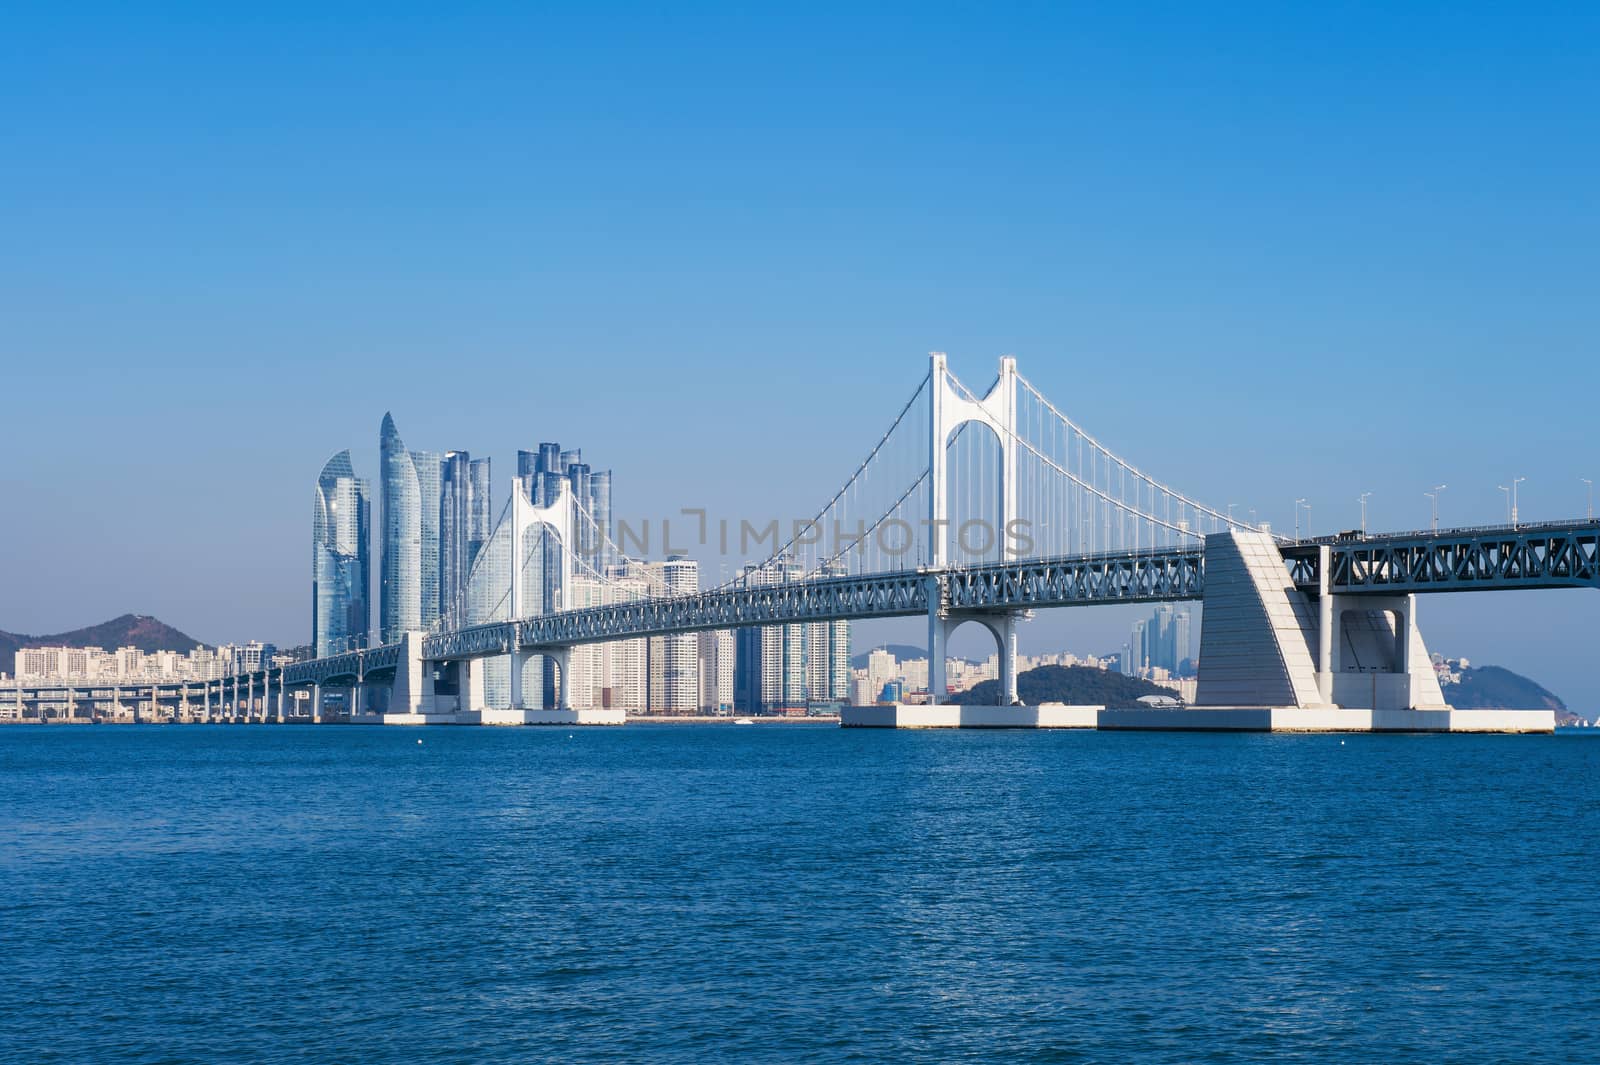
(1258, 633)
(519, 678)
(469, 677)
(1001, 624)
(563, 660)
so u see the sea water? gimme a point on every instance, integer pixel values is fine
(794, 893)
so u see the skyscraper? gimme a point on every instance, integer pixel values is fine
(600, 511)
(340, 570)
(675, 660)
(430, 477)
(790, 666)
(1135, 660)
(827, 654)
(400, 603)
(1162, 642)
(716, 671)
(436, 519)
(465, 516)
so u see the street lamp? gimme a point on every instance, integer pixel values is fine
(1507, 491)
(1590, 483)
(1514, 482)
(1434, 495)
(1364, 496)
(1298, 503)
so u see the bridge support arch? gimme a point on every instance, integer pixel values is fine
(1002, 625)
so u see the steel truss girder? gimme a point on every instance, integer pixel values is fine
(476, 641)
(834, 599)
(1483, 560)
(346, 664)
(1154, 577)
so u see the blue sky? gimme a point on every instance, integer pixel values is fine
(1264, 253)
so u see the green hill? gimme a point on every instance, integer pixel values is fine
(130, 630)
(1494, 688)
(1077, 685)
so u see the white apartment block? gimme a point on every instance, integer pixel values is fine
(132, 664)
(717, 653)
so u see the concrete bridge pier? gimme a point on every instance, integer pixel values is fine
(519, 669)
(1274, 656)
(469, 685)
(1001, 624)
(563, 660)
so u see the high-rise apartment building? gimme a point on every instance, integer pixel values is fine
(675, 660)
(430, 477)
(400, 559)
(782, 667)
(466, 517)
(436, 516)
(717, 659)
(340, 570)
(1162, 642)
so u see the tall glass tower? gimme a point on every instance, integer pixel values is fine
(400, 605)
(464, 521)
(430, 476)
(340, 570)
(600, 509)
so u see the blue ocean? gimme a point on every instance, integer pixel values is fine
(795, 893)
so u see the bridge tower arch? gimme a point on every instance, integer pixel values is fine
(951, 407)
(561, 518)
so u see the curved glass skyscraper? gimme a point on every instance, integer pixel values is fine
(400, 603)
(340, 570)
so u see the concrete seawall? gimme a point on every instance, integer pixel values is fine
(1197, 719)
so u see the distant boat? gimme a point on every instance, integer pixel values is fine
(743, 721)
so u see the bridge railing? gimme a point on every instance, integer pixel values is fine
(1524, 528)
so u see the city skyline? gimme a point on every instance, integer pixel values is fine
(1322, 298)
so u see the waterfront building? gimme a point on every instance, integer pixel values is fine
(466, 517)
(881, 669)
(600, 511)
(768, 673)
(616, 674)
(400, 558)
(79, 664)
(430, 477)
(674, 660)
(782, 667)
(717, 659)
(340, 568)
(437, 511)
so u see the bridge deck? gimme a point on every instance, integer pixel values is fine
(1550, 555)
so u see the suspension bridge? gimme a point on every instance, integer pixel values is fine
(973, 507)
